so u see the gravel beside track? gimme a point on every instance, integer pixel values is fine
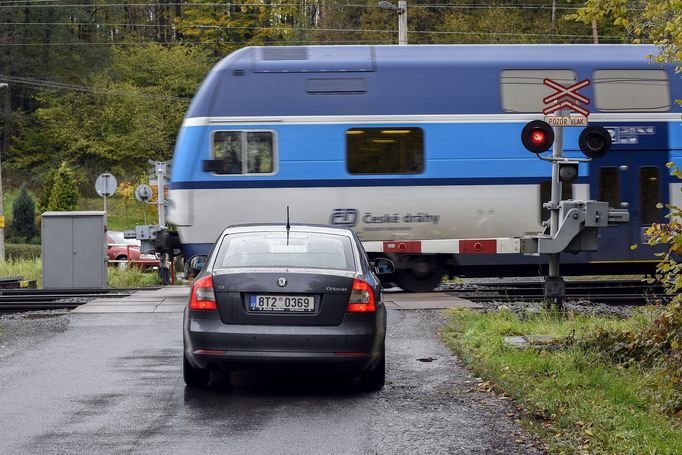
(29, 329)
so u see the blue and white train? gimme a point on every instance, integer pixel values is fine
(423, 142)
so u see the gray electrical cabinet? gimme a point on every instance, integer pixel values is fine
(74, 249)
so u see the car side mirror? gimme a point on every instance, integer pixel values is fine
(196, 264)
(383, 266)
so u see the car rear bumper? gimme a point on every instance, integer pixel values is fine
(353, 346)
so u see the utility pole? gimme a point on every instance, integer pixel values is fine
(553, 16)
(401, 11)
(402, 23)
(5, 146)
(595, 33)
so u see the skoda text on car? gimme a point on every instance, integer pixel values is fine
(274, 295)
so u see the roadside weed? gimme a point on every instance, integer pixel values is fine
(572, 397)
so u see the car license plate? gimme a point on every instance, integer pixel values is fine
(286, 303)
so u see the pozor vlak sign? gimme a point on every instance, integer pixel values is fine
(566, 99)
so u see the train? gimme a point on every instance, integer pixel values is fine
(422, 142)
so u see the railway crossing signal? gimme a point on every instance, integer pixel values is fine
(568, 171)
(537, 136)
(594, 141)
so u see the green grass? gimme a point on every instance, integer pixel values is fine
(133, 277)
(31, 269)
(118, 219)
(574, 400)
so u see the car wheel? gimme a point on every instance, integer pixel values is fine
(122, 265)
(374, 379)
(194, 377)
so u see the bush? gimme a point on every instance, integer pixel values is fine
(133, 277)
(64, 195)
(21, 251)
(48, 183)
(23, 226)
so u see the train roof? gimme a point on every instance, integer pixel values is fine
(350, 58)
(429, 79)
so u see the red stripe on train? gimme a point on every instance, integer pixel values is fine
(478, 246)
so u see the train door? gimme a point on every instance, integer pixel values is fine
(636, 180)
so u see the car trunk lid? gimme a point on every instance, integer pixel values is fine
(283, 297)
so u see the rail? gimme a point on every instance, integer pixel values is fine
(613, 292)
(50, 299)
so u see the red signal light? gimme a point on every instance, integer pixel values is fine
(537, 136)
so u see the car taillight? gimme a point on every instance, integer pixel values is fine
(202, 297)
(361, 298)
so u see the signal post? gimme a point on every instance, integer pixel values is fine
(537, 136)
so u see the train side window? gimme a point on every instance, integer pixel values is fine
(649, 195)
(546, 195)
(631, 90)
(385, 150)
(243, 152)
(609, 185)
(259, 152)
(523, 90)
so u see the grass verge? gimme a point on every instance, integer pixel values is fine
(31, 269)
(571, 398)
(133, 277)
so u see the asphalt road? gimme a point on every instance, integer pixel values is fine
(112, 383)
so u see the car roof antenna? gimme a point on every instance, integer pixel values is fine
(288, 225)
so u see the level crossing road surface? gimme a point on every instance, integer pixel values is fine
(112, 383)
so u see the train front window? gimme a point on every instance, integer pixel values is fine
(649, 195)
(609, 186)
(385, 150)
(243, 152)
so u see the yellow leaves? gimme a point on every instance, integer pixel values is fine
(675, 344)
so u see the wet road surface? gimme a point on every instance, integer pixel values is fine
(112, 383)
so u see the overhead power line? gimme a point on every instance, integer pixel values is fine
(61, 86)
(278, 5)
(305, 29)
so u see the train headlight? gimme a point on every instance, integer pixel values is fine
(537, 136)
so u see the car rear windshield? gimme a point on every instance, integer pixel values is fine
(273, 249)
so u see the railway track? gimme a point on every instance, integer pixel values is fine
(50, 299)
(621, 292)
(614, 292)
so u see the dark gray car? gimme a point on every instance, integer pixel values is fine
(274, 295)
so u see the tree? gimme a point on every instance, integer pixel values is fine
(132, 115)
(655, 21)
(23, 216)
(64, 195)
(223, 28)
(48, 183)
(126, 192)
